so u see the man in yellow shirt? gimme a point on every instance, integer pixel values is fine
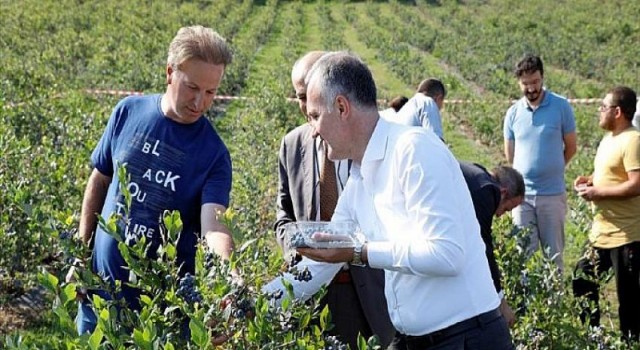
(614, 189)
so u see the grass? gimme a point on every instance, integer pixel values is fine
(388, 84)
(464, 147)
(462, 142)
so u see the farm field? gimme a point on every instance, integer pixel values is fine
(54, 52)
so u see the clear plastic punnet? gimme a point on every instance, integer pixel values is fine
(322, 234)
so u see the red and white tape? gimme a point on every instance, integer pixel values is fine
(223, 97)
(139, 93)
(114, 92)
(577, 101)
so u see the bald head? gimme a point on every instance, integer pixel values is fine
(299, 73)
(303, 64)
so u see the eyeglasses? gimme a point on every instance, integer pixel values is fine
(603, 107)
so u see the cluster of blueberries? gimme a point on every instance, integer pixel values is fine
(66, 234)
(243, 308)
(332, 343)
(298, 275)
(304, 275)
(209, 260)
(275, 295)
(188, 291)
(296, 240)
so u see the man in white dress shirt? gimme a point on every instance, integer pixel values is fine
(355, 293)
(407, 193)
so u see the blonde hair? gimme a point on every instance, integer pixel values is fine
(200, 43)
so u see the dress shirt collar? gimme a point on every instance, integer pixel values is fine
(377, 145)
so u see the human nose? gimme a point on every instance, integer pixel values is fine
(314, 132)
(198, 100)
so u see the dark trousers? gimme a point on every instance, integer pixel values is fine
(347, 315)
(591, 270)
(487, 331)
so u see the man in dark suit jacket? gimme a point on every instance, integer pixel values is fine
(493, 193)
(355, 297)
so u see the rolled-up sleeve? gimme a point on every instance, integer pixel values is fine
(321, 274)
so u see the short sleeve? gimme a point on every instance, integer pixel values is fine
(568, 119)
(218, 183)
(102, 156)
(508, 123)
(631, 157)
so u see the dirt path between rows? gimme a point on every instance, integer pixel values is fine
(23, 311)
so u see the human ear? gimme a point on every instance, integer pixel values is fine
(343, 106)
(169, 73)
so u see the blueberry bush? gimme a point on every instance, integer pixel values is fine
(53, 52)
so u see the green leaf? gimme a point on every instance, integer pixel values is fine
(286, 303)
(325, 318)
(98, 302)
(147, 334)
(124, 251)
(139, 339)
(247, 244)
(112, 227)
(362, 343)
(304, 321)
(124, 179)
(68, 293)
(173, 223)
(104, 314)
(49, 281)
(199, 334)
(171, 252)
(64, 317)
(146, 300)
(317, 331)
(96, 338)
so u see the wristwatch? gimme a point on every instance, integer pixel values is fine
(357, 255)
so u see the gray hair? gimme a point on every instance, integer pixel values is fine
(342, 73)
(509, 179)
(303, 65)
(200, 43)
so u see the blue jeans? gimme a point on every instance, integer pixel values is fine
(86, 320)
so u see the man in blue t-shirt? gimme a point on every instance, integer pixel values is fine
(539, 141)
(175, 159)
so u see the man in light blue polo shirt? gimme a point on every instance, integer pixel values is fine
(539, 141)
(423, 109)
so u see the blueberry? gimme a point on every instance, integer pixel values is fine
(64, 235)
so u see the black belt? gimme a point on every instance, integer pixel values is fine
(437, 337)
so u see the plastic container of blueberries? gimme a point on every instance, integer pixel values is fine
(322, 234)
